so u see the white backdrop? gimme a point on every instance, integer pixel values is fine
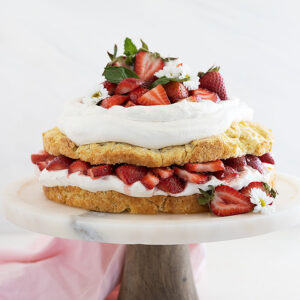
(51, 51)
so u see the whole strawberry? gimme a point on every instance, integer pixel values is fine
(213, 81)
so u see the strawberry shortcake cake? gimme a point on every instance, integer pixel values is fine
(154, 137)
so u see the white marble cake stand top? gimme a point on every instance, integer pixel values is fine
(25, 205)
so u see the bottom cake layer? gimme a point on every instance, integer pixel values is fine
(115, 202)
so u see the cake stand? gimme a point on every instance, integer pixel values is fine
(157, 262)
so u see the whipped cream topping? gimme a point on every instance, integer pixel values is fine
(112, 182)
(152, 127)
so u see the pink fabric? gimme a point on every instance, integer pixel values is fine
(61, 269)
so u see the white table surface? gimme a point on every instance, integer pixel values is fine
(51, 51)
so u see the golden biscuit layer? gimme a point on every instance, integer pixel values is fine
(115, 202)
(240, 139)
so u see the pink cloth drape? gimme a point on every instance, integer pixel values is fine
(61, 269)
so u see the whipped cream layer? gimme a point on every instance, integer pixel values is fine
(112, 182)
(152, 127)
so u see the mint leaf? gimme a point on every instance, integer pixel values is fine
(206, 196)
(162, 80)
(117, 74)
(144, 46)
(130, 60)
(129, 47)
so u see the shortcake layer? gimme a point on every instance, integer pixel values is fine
(241, 138)
(115, 202)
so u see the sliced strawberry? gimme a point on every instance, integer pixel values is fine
(258, 185)
(228, 201)
(137, 93)
(206, 95)
(59, 163)
(172, 185)
(163, 173)
(212, 166)
(191, 177)
(42, 156)
(150, 180)
(238, 163)
(227, 174)
(253, 185)
(127, 85)
(156, 96)
(100, 171)
(213, 81)
(146, 64)
(129, 104)
(129, 174)
(113, 100)
(42, 165)
(267, 158)
(176, 91)
(79, 166)
(255, 163)
(110, 87)
(191, 99)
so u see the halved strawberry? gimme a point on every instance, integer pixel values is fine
(191, 177)
(113, 100)
(156, 96)
(42, 165)
(227, 174)
(60, 162)
(150, 180)
(255, 163)
(127, 85)
(137, 93)
(100, 171)
(213, 81)
(146, 64)
(228, 201)
(129, 174)
(172, 185)
(206, 94)
(129, 104)
(42, 156)
(267, 158)
(212, 166)
(238, 163)
(259, 185)
(163, 172)
(176, 91)
(110, 87)
(79, 166)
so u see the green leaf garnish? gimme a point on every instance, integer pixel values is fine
(270, 190)
(169, 59)
(113, 56)
(129, 47)
(164, 80)
(117, 74)
(206, 196)
(144, 46)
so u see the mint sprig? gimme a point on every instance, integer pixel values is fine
(117, 74)
(206, 196)
(164, 80)
(129, 47)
